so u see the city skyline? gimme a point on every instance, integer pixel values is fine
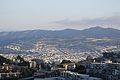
(56, 15)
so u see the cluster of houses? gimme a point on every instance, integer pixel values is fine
(107, 71)
(93, 69)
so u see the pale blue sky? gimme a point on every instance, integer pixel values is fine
(58, 14)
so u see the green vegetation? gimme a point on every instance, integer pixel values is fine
(79, 68)
(4, 60)
(65, 62)
(22, 61)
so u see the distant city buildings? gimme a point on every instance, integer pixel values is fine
(75, 76)
(107, 71)
(106, 67)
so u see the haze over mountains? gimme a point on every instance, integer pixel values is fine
(95, 32)
(68, 43)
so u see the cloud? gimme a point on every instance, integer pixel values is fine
(113, 21)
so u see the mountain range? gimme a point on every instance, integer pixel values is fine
(61, 44)
(94, 32)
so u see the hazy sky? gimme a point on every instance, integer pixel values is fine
(58, 14)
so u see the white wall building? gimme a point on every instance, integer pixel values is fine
(33, 64)
(68, 75)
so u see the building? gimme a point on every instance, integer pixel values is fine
(106, 71)
(9, 75)
(69, 66)
(68, 75)
(33, 64)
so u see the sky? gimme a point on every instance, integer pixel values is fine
(58, 14)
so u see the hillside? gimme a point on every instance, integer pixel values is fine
(61, 44)
(95, 32)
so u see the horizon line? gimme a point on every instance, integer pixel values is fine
(60, 29)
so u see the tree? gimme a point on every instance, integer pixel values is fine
(65, 62)
(79, 68)
(4, 60)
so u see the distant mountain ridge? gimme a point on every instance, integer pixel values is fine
(102, 32)
(97, 32)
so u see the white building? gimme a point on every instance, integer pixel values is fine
(33, 64)
(7, 75)
(68, 75)
(69, 66)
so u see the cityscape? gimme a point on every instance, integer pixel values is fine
(60, 58)
(59, 40)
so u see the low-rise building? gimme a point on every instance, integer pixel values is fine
(9, 75)
(107, 71)
(32, 64)
(69, 66)
(68, 75)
